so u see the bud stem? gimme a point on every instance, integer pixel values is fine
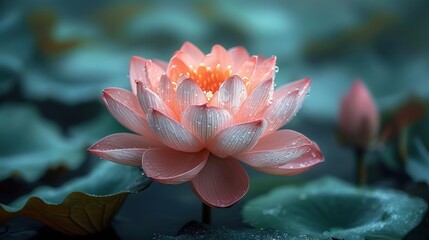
(360, 167)
(403, 148)
(207, 214)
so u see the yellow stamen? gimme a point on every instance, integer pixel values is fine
(209, 79)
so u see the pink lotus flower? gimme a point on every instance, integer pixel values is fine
(200, 115)
(359, 120)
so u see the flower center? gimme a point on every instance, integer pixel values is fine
(209, 79)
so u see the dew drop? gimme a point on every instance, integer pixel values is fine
(276, 69)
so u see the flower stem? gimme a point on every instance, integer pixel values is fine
(207, 214)
(403, 147)
(360, 167)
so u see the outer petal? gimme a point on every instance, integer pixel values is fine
(287, 102)
(138, 73)
(303, 86)
(125, 108)
(189, 93)
(221, 183)
(149, 100)
(192, 51)
(238, 56)
(306, 162)
(237, 138)
(123, 148)
(154, 73)
(144, 71)
(280, 112)
(173, 134)
(231, 94)
(279, 148)
(205, 122)
(172, 167)
(256, 102)
(166, 91)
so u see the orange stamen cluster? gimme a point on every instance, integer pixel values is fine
(209, 79)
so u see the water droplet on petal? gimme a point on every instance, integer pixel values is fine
(276, 69)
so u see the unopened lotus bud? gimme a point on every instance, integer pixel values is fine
(359, 120)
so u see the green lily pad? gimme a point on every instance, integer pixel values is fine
(31, 145)
(81, 206)
(198, 231)
(16, 42)
(421, 190)
(329, 208)
(72, 77)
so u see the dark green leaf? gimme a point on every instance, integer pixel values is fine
(199, 231)
(329, 208)
(81, 206)
(31, 145)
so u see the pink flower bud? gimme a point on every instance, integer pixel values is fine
(359, 120)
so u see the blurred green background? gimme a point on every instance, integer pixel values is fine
(57, 56)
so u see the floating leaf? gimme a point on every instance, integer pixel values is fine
(161, 21)
(329, 208)
(72, 77)
(421, 232)
(30, 145)
(199, 231)
(82, 206)
(16, 43)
